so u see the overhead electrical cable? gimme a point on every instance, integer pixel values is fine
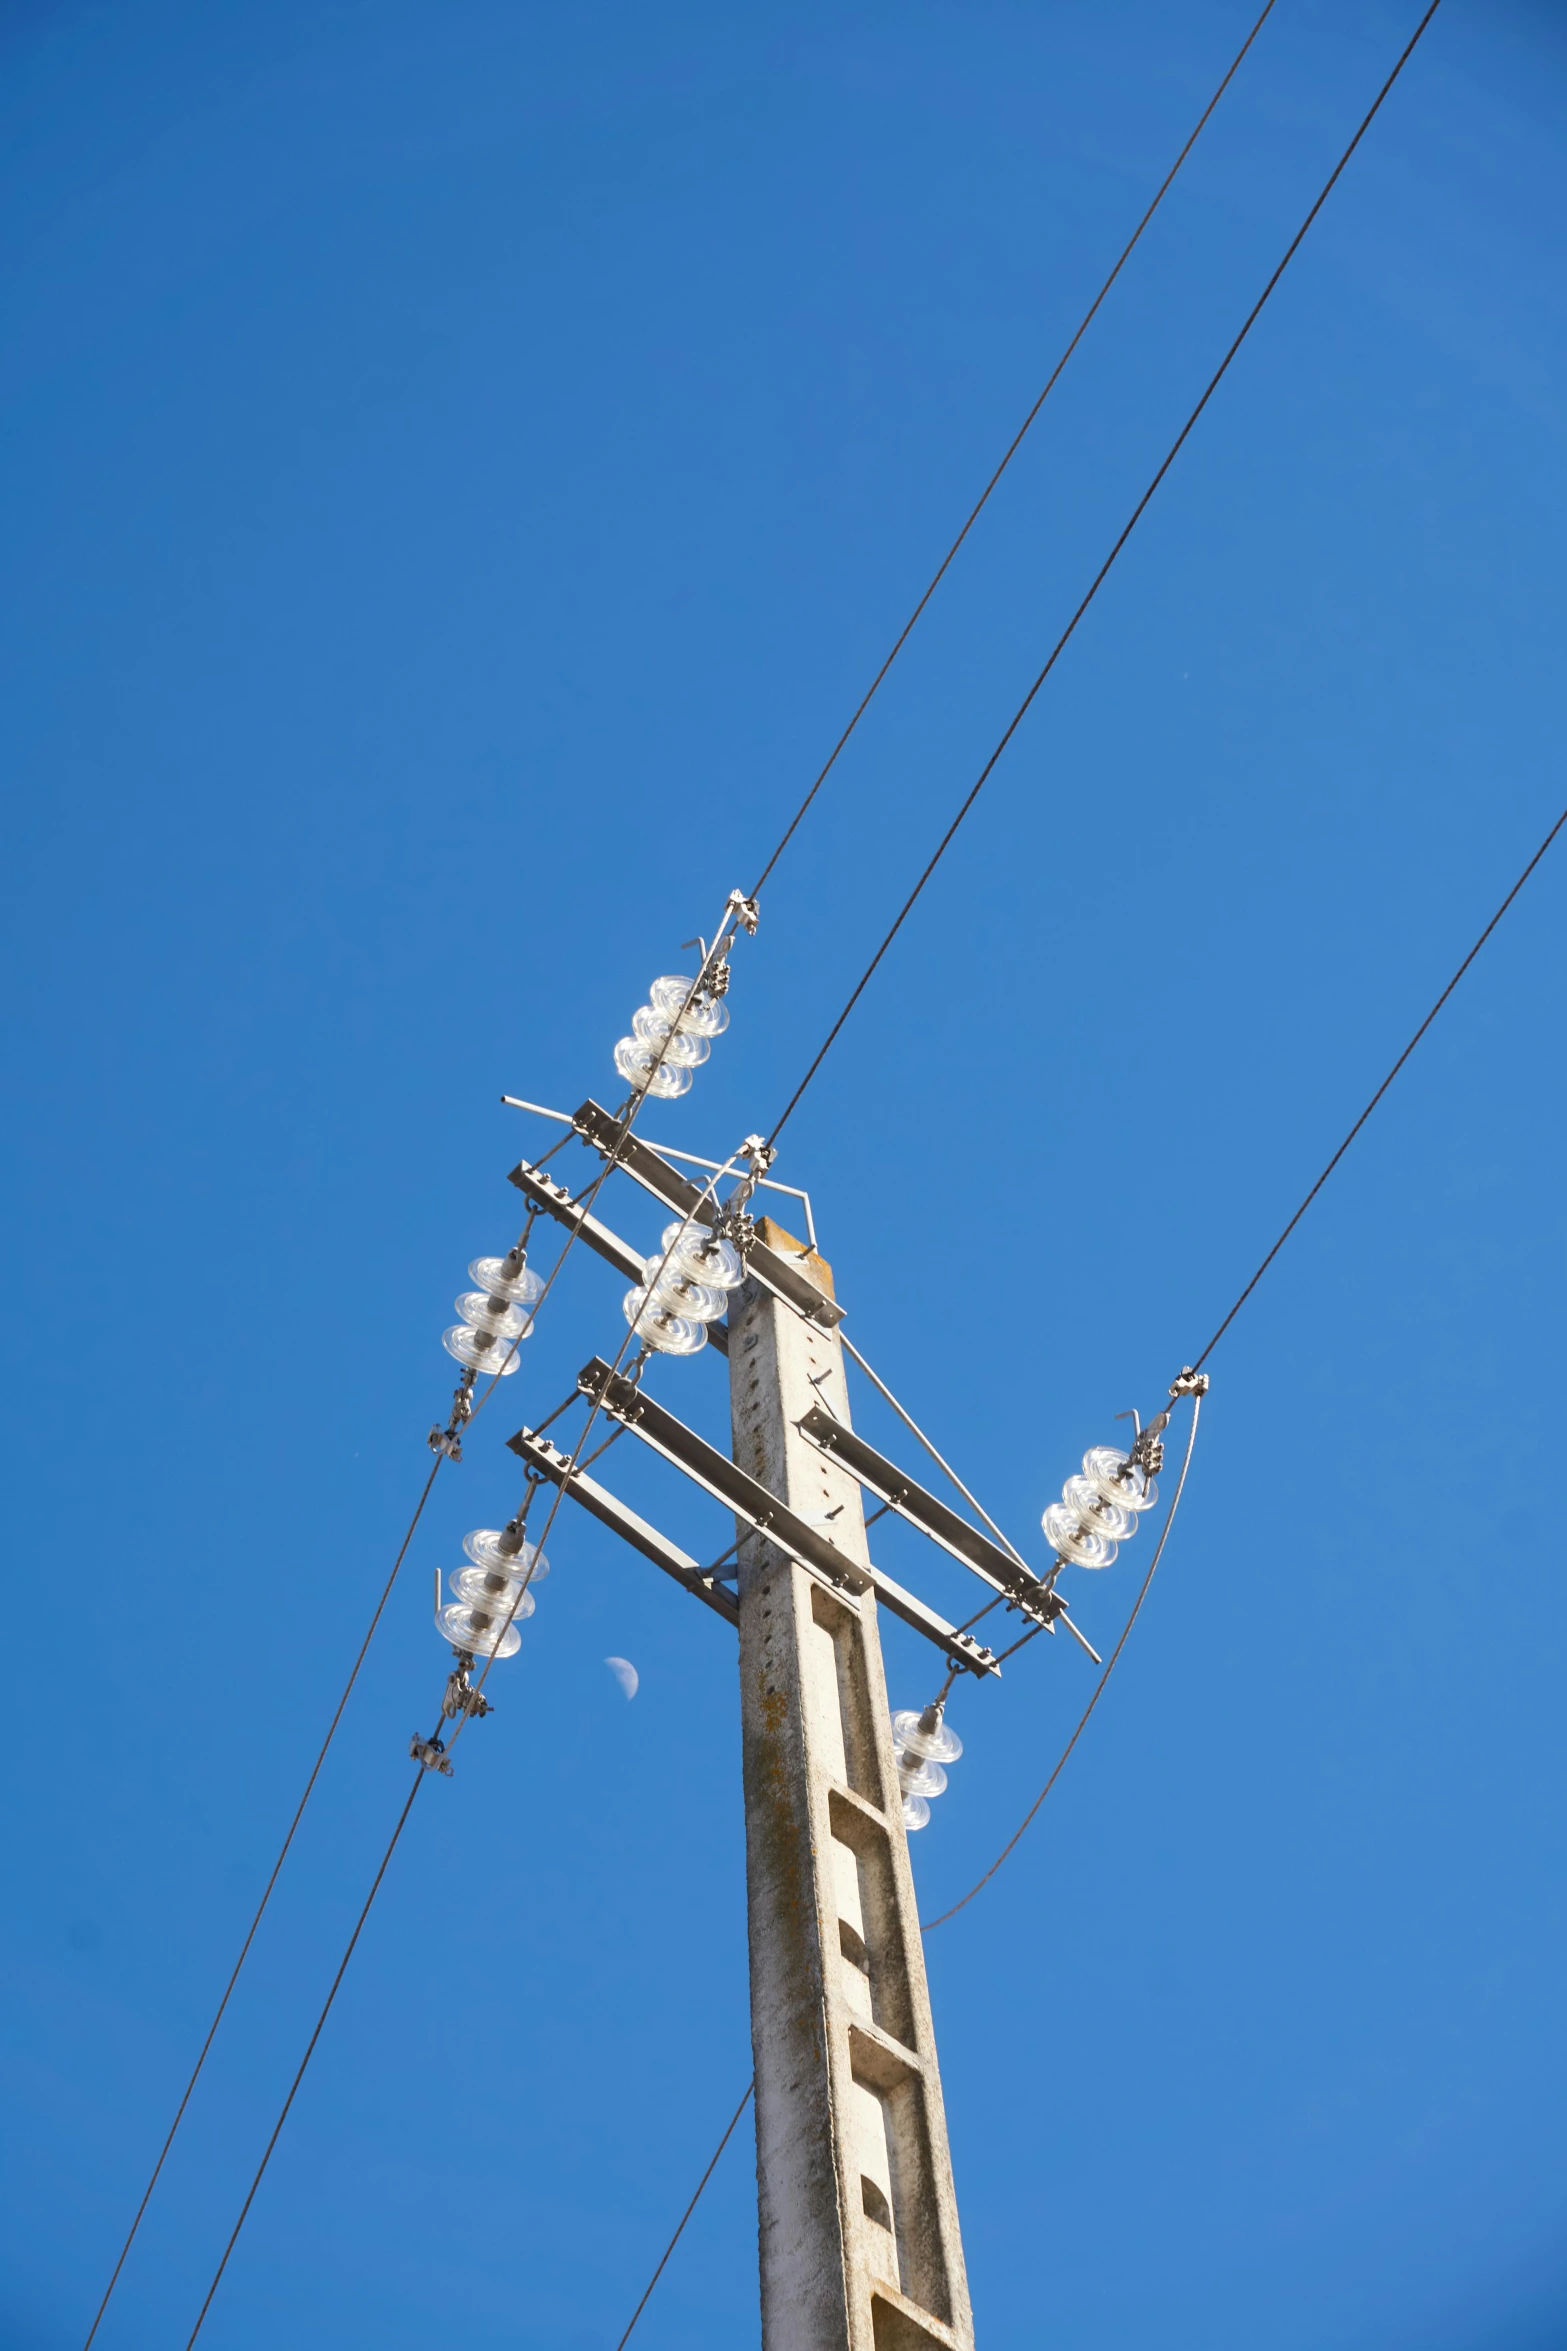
(928, 1925)
(1381, 1090)
(1101, 575)
(904, 634)
(244, 2210)
(250, 1935)
(632, 1108)
(627, 1120)
(1016, 443)
(1539, 853)
(686, 2215)
(572, 1466)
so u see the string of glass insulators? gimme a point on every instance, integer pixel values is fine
(495, 1314)
(922, 1745)
(1098, 1510)
(494, 1592)
(672, 1035)
(684, 1288)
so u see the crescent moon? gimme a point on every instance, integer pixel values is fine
(625, 1673)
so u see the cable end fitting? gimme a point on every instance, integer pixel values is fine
(1190, 1383)
(431, 1754)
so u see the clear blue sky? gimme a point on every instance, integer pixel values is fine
(462, 464)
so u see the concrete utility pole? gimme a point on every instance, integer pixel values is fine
(860, 2249)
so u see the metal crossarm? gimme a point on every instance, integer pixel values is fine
(782, 1275)
(929, 1514)
(750, 1500)
(550, 1462)
(543, 1192)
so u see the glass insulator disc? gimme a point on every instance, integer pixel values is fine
(1066, 1533)
(677, 1291)
(1136, 1492)
(491, 1275)
(708, 1017)
(671, 1334)
(655, 1028)
(921, 1779)
(469, 1584)
(702, 1255)
(493, 1314)
(455, 1624)
(942, 1745)
(483, 1547)
(1105, 1518)
(916, 1812)
(490, 1355)
(635, 1061)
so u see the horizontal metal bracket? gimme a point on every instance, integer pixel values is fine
(782, 1275)
(550, 1462)
(929, 1514)
(750, 1500)
(542, 1192)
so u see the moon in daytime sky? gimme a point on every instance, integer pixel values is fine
(625, 1673)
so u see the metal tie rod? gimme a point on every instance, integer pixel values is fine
(750, 1500)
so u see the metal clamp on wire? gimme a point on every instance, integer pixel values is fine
(734, 1223)
(431, 1754)
(449, 1439)
(460, 1698)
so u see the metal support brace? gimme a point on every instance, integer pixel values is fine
(780, 1274)
(542, 1192)
(750, 1500)
(932, 1516)
(552, 1463)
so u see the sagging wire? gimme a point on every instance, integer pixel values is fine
(1016, 443)
(686, 2215)
(293, 2088)
(1098, 580)
(740, 913)
(1196, 1386)
(266, 1896)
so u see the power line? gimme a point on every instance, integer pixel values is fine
(293, 2087)
(244, 1950)
(927, 1926)
(1214, 1341)
(1017, 442)
(686, 2215)
(627, 1121)
(1381, 1090)
(1103, 573)
(973, 1890)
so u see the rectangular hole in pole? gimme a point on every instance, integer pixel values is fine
(856, 1736)
(872, 1911)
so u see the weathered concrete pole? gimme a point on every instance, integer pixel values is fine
(860, 2249)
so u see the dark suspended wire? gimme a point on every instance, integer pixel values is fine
(686, 2215)
(626, 1123)
(927, 1926)
(1103, 573)
(1556, 828)
(1381, 1090)
(277, 2128)
(1016, 443)
(250, 1936)
(973, 1890)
